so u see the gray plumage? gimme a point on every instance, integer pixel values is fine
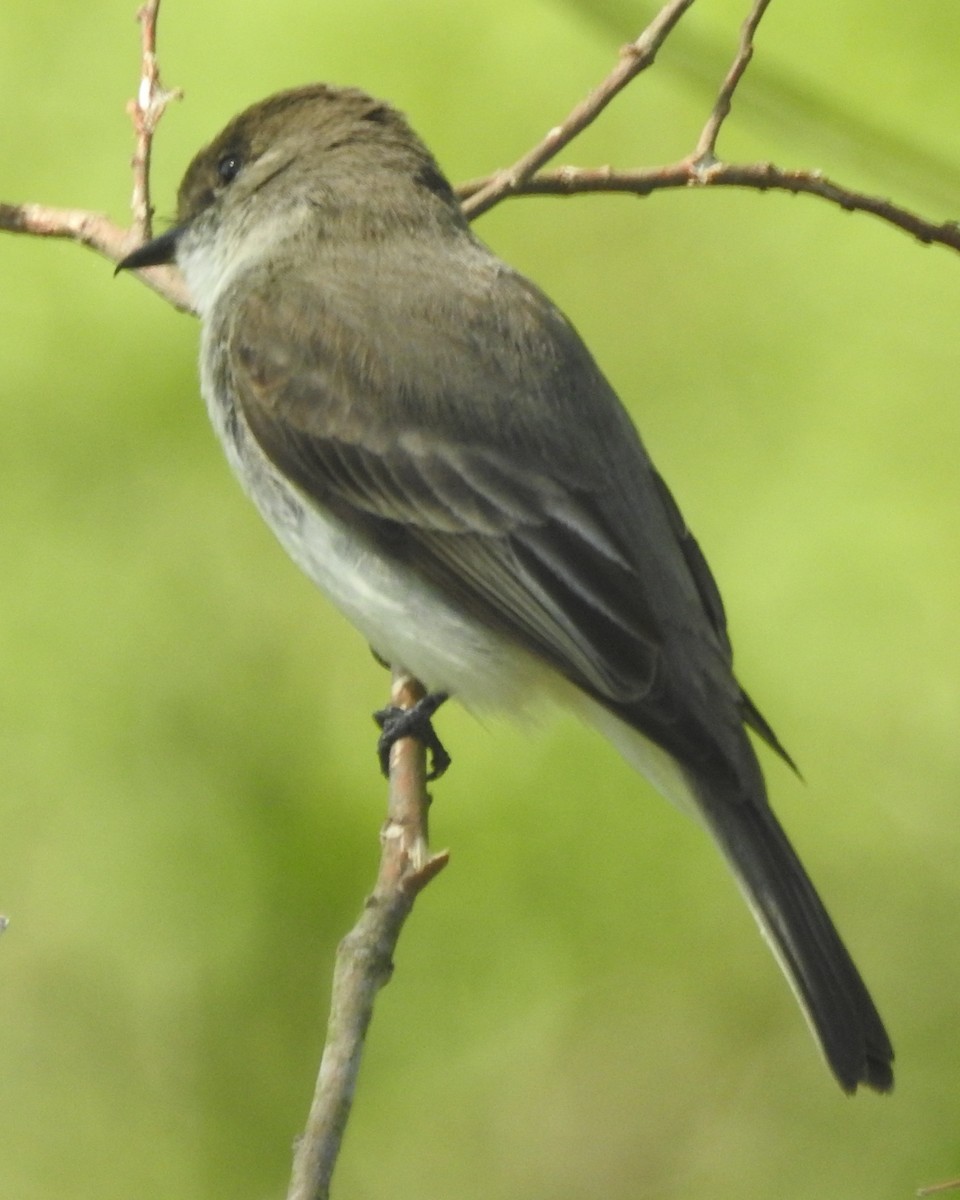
(435, 446)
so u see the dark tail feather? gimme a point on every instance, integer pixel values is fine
(808, 947)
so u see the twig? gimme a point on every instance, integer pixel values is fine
(705, 153)
(100, 234)
(701, 168)
(634, 58)
(145, 112)
(94, 229)
(763, 177)
(933, 1189)
(365, 956)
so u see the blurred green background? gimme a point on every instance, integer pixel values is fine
(190, 803)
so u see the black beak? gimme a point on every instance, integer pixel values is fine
(156, 253)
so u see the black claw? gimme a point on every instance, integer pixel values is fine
(415, 722)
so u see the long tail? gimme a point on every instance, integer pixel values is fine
(795, 923)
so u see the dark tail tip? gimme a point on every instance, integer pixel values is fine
(874, 1066)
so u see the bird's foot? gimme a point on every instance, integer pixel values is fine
(397, 723)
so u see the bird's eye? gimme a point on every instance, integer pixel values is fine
(228, 168)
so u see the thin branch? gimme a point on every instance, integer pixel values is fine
(705, 153)
(365, 956)
(94, 229)
(634, 57)
(100, 234)
(763, 177)
(701, 168)
(145, 112)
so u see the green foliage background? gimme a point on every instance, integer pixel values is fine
(189, 804)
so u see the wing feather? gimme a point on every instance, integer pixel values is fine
(576, 551)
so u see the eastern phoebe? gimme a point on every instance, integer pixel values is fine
(433, 444)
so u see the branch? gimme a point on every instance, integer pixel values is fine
(762, 177)
(99, 233)
(705, 153)
(365, 956)
(96, 230)
(634, 58)
(145, 112)
(701, 168)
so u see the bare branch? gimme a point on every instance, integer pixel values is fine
(145, 112)
(705, 153)
(365, 956)
(94, 229)
(701, 168)
(634, 58)
(100, 234)
(763, 177)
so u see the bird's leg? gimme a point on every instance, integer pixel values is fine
(397, 723)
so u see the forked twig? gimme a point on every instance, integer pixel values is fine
(94, 229)
(699, 169)
(635, 57)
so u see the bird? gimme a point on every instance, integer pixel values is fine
(434, 445)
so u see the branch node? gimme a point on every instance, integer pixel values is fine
(702, 168)
(414, 883)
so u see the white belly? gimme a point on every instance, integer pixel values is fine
(408, 623)
(405, 620)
